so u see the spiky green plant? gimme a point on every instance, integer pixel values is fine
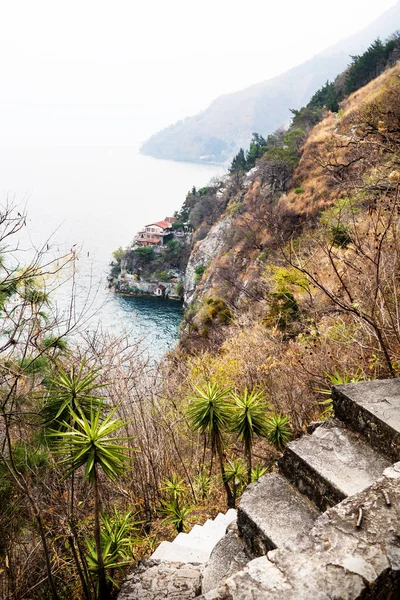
(235, 472)
(335, 378)
(203, 484)
(90, 443)
(176, 514)
(210, 411)
(249, 419)
(117, 542)
(278, 430)
(174, 486)
(71, 390)
(257, 472)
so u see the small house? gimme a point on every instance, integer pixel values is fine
(160, 290)
(156, 234)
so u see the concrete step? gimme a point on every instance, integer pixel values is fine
(222, 521)
(196, 529)
(272, 512)
(198, 541)
(373, 409)
(331, 464)
(174, 553)
(231, 515)
(209, 524)
(219, 518)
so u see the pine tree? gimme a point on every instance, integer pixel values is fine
(239, 162)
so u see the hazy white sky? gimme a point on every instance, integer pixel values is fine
(115, 71)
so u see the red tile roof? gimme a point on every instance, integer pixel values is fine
(163, 224)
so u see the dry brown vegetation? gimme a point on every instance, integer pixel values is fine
(305, 292)
(311, 277)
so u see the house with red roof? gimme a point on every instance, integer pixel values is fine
(156, 234)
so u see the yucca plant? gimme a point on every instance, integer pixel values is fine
(119, 529)
(203, 484)
(210, 411)
(257, 472)
(249, 419)
(71, 390)
(278, 430)
(117, 541)
(176, 514)
(90, 443)
(175, 487)
(235, 473)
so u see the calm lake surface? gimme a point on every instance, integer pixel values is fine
(98, 198)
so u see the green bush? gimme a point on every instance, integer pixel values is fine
(340, 236)
(283, 310)
(173, 245)
(235, 208)
(218, 312)
(200, 270)
(145, 252)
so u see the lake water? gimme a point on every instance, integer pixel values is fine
(98, 198)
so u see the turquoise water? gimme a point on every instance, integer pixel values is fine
(155, 321)
(96, 199)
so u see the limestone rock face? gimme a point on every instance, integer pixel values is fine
(155, 580)
(202, 254)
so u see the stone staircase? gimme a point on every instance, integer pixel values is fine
(326, 526)
(197, 545)
(175, 568)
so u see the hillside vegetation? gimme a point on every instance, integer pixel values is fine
(294, 284)
(308, 271)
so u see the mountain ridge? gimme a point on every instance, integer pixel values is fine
(216, 133)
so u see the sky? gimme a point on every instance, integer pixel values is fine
(112, 72)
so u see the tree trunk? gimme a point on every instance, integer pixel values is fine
(79, 568)
(249, 462)
(104, 593)
(229, 496)
(47, 557)
(83, 560)
(23, 486)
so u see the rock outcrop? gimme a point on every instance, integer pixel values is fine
(202, 254)
(156, 580)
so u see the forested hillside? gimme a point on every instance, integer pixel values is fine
(303, 290)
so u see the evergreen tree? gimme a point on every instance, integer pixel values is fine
(258, 145)
(239, 162)
(366, 67)
(325, 97)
